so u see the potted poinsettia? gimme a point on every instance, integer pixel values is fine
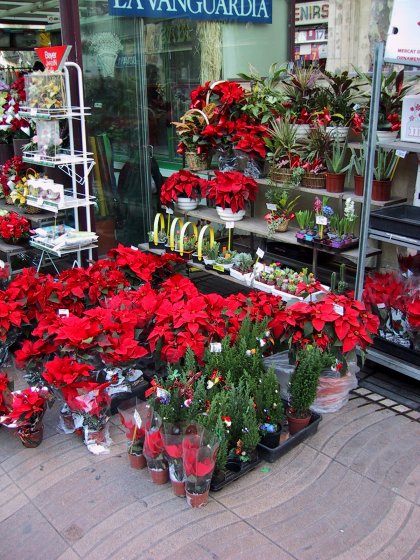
(231, 192)
(27, 409)
(183, 188)
(14, 229)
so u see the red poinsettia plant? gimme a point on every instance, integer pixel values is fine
(337, 323)
(27, 407)
(184, 184)
(251, 139)
(231, 189)
(12, 316)
(14, 227)
(6, 388)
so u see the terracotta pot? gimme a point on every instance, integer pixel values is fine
(359, 185)
(197, 500)
(335, 182)
(381, 190)
(137, 461)
(178, 488)
(297, 424)
(31, 437)
(159, 476)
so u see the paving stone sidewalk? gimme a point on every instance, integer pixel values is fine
(350, 492)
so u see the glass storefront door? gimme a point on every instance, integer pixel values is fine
(115, 73)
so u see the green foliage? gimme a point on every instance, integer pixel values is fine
(282, 199)
(282, 141)
(304, 380)
(358, 160)
(250, 428)
(211, 251)
(318, 145)
(336, 160)
(305, 219)
(268, 400)
(222, 436)
(244, 262)
(385, 165)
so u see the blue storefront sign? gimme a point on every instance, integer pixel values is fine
(256, 11)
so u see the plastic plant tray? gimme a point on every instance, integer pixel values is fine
(401, 219)
(230, 476)
(272, 454)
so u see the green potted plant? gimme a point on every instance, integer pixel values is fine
(315, 150)
(306, 223)
(225, 261)
(284, 149)
(210, 252)
(303, 386)
(383, 172)
(243, 267)
(336, 165)
(278, 219)
(269, 406)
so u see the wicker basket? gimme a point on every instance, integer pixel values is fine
(281, 228)
(198, 162)
(280, 175)
(312, 181)
(32, 210)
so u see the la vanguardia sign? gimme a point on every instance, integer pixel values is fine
(256, 11)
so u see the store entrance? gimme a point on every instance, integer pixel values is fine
(115, 89)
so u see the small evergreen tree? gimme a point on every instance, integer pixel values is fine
(250, 431)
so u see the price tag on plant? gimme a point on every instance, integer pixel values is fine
(40, 201)
(381, 306)
(339, 309)
(229, 225)
(169, 210)
(218, 267)
(271, 206)
(33, 112)
(137, 418)
(215, 347)
(260, 253)
(37, 157)
(134, 248)
(63, 312)
(321, 220)
(400, 153)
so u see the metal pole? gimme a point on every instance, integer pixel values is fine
(370, 163)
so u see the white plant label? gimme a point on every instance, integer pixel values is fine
(400, 153)
(134, 248)
(37, 157)
(33, 112)
(271, 206)
(63, 312)
(169, 210)
(137, 419)
(230, 225)
(2, 264)
(339, 309)
(321, 220)
(381, 306)
(260, 253)
(40, 201)
(215, 347)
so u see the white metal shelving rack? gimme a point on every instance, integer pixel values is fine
(366, 232)
(67, 160)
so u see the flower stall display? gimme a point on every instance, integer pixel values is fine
(183, 188)
(27, 409)
(281, 206)
(14, 228)
(45, 91)
(231, 192)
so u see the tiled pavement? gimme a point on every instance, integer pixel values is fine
(350, 492)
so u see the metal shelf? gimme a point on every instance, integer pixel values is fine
(395, 239)
(64, 251)
(390, 361)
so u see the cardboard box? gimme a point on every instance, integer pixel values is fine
(410, 119)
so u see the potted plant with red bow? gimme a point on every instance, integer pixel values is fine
(231, 192)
